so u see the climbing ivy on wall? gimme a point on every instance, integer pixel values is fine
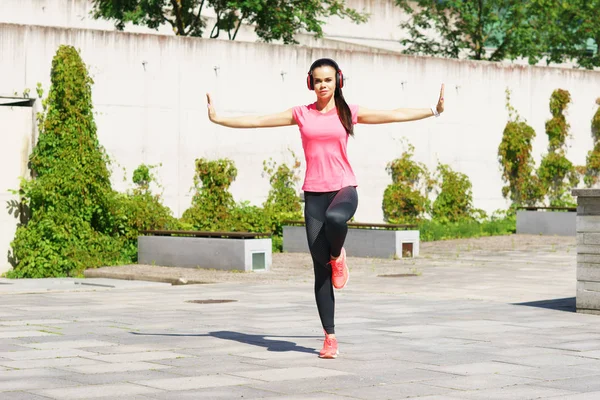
(592, 172)
(514, 154)
(556, 173)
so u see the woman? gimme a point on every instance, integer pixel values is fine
(329, 184)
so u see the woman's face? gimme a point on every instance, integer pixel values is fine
(324, 81)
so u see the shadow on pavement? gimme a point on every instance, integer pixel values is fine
(565, 304)
(256, 340)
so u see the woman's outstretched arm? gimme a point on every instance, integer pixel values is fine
(366, 116)
(284, 118)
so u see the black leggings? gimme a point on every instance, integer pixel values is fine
(326, 215)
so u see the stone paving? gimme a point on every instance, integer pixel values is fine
(469, 324)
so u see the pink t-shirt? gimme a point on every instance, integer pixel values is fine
(324, 140)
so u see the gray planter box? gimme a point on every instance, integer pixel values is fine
(211, 253)
(560, 223)
(377, 243)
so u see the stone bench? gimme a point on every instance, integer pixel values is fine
(363, 240)
(232, 251)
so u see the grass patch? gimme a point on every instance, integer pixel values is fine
(433, 230)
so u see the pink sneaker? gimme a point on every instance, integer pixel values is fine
(339, 271)
(330, 348)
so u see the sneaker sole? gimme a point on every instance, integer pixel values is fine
(329, 356)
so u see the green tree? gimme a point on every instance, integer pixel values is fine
(557, 30)
(457, 28)
(272, 19)
(570, 30)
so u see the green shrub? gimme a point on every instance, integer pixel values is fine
(282, 201)
(70, 200)
(212, 202)
(213, 207)
(497, 225)
(405, 200)
(454, 201)
(139, 210)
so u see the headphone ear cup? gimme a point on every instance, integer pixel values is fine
(340, 77)
(309, 82)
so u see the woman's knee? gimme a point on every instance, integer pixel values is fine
(336, 219)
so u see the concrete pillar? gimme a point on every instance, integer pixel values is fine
(588, 250)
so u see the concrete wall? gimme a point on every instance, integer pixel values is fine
(16, 139)
(149, 95)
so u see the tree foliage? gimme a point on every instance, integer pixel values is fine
(406, 199)
(272, 19)
(558, 30)
(569, 30)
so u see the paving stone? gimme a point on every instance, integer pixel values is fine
(49, 363)
(28, 384)
(580, 396)
(22, 334)
(115, 367)
(219, 393)
(395, 391)
(194, 382)
(13, 374)
(546, 360)
(283, 374)
(552, 373)
(481, 368)
(42, 354)
(133, 357)
(20, 395)
(45, 322)
(70, 344)
(96, 391)
(476, 382)
(521, 392)
(576, 384)
(121, 377)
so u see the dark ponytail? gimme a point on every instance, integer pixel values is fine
(341, 106)
(343, 111)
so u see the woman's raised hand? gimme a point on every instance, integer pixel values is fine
(440, 104)
(212, 115)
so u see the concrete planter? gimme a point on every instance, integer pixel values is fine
(201, 252)
(546, 222)
(377, 243)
